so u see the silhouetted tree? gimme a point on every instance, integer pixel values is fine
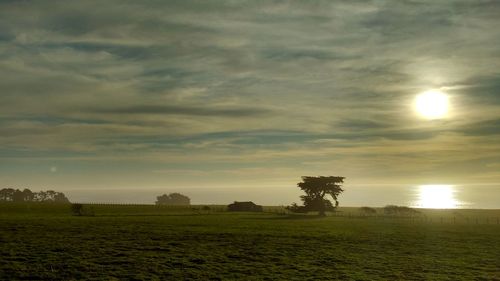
(173, 199)
(51, 196)
(41, 196)
(7, 194)
(28, 195)
(316, 188)
(59, 197)
(16, 195)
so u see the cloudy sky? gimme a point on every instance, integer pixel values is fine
(182, 94)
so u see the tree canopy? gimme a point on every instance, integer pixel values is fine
(316, 188)
(173, 199)
(16, 195)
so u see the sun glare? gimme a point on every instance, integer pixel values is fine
(432, 104)
(437, 197)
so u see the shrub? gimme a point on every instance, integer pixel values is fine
(399, 210)
(294, 208)
(367, 210)
(78, 209)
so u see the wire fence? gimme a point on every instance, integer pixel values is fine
(424, 218)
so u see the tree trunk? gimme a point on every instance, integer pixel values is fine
(321, 207)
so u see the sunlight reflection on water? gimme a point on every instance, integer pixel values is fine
(437, 197)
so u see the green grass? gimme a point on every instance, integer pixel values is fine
(174, 243)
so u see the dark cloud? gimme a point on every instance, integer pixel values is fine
(359, 124)
(483, 90)
(483, 128)
(410, 20)
(283, 54)
(6, 36)
(187, 110)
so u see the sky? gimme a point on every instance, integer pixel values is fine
(199, 95)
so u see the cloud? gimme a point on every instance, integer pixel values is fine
(186, 110)
(249, 83)
(484, 128)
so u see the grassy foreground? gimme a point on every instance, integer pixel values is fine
(147, 242)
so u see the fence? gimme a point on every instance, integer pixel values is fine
(424, 218)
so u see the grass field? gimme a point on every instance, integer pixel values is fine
(173, 243)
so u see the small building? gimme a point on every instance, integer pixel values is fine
(244, 207)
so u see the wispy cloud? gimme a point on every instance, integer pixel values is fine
(185, 110)
(250, 84)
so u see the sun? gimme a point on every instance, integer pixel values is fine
(432, 104)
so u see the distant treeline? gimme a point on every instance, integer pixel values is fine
(16, 195)
(173, 199)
